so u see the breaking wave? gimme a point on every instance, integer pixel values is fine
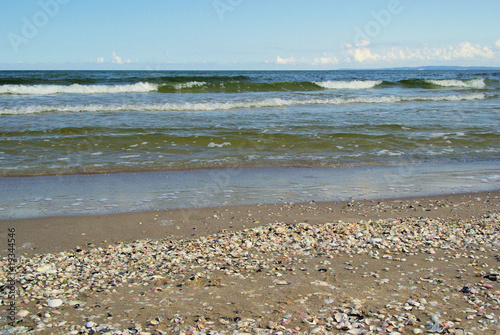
(471, 83)
(229, 105)
(140, 87)
(229, 85)
(478, 83)
(349, 85)
(188, 87)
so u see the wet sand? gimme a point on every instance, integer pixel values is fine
(391, 265)
(54, 234)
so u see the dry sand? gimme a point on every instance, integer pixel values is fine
(429, 262)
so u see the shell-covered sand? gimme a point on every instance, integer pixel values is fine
(427, 265)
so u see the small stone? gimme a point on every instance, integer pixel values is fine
(54, 303)
(282, 282)
(90, 324)
(23, 313)
(466, 289)
(317, 330)
(45, 269)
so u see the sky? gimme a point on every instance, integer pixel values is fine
(247, 34)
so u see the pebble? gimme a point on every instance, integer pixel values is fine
(53, 303)
(47, 268)
(90, 324)
(87, 272)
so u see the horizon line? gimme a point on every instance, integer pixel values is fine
(407, 68)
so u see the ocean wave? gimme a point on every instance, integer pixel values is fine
(188, 87)
(478, 83)
(469, 83)
(349, 85)
(141, 87)
(234, 86)
(238, 87)
(244, 86)
(229, 105)
(190, 84)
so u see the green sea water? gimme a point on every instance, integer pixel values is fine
(57, 122)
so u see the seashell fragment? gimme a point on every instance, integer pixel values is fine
(54, 303)
(45, 269)
(90, 324)
(23, 313)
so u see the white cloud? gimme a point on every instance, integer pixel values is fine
(100, 60)
(326, 59)
(467, 50)
(363, 43)
(462, 51)
(363, 54)
(117, 59)
(280, 60)
(497, 43)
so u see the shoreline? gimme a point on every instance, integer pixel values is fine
(182, 168)
(60, 233)
(401, 266)
(103, 194)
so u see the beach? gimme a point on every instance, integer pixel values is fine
(400, 265)
(250, 167)
(250, 202)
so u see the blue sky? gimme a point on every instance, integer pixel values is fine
(247, 34)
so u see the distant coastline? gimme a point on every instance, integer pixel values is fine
(442, 68)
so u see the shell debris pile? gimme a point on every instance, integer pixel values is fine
(396, 276)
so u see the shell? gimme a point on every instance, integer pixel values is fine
(54, 303)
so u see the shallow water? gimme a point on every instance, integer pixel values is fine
(24, 197)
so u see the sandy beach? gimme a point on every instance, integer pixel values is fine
(250, 167)
(395, 266)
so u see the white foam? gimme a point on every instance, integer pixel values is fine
(213, 145)
(470, 83)
(77, 89)
(348, 85)
(228, 105)
(435, 135)
(189, 84)
(389, 153)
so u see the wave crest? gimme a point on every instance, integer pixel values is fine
(349, 85)
(140, 87)
(234, 86)
(228, 105)
(469, 83)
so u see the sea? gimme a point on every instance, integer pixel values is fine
(251, 136)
